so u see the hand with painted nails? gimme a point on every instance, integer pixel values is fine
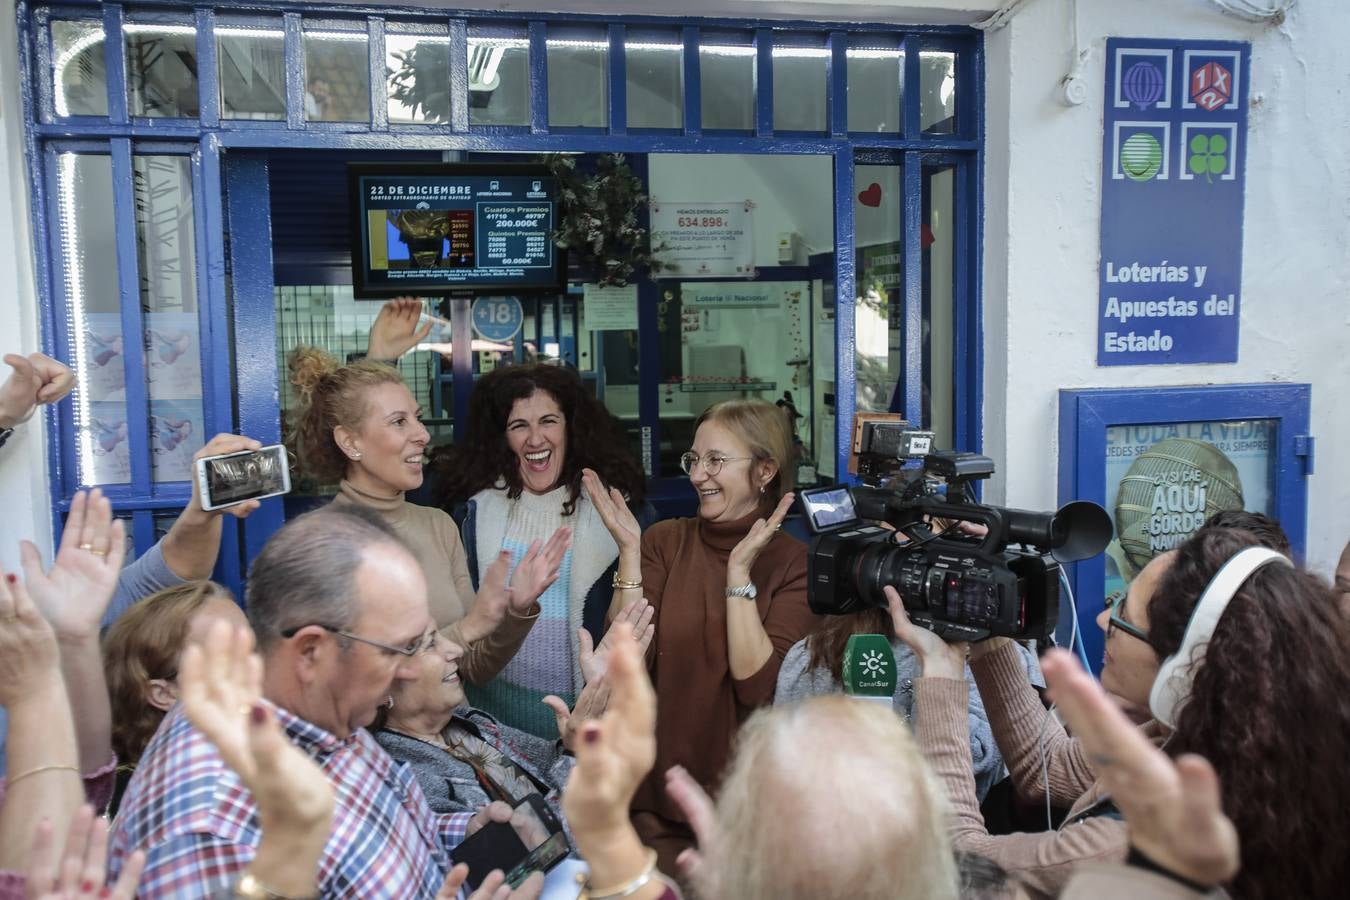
(220, 682)
(78, 870)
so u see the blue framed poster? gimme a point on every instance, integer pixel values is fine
(1162, 460)
(1174, 151)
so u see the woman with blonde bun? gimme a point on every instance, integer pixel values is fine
(360, 426)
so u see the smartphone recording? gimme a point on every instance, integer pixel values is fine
(233, 478)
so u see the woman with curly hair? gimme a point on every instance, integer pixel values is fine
(359, 425)
(140, 662)
(1265, 697)
(516, 478)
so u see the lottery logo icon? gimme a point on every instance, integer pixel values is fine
(1143, 84)
(1211, 86)
(1141, 156)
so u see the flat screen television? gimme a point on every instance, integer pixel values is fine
(433, 229)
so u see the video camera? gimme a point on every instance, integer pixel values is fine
(955, 581)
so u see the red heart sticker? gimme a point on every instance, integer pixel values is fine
(871, 196)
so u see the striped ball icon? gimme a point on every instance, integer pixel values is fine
(1141, 156)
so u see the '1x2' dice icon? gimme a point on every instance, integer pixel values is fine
(1211, 86)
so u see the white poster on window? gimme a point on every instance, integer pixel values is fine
(609, 308)
(697, 240)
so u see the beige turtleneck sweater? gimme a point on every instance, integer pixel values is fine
(432, 537)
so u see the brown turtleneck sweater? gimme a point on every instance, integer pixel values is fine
(699, 705)
(432, 537)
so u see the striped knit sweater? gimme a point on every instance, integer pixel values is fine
(547, 663)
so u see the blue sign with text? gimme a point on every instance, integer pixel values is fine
(497, 318)
(1174, 150)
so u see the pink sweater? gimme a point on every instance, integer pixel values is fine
(1043, 861)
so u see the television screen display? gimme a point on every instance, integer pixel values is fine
(434, 229)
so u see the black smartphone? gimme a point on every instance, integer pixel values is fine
(533, 841)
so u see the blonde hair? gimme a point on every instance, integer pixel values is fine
(763, 427)
(845, 778)
(142, 645)
(329, 395)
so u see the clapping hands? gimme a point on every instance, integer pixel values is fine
(75, 592)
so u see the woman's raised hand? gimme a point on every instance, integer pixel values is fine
(28, 654)
(744, 554)
(616, 751)
(395, 330)
(614, 512)
(538, 569)
(75, 593)
(637, 616)
(1173, 807)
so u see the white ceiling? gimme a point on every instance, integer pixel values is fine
(912, 12)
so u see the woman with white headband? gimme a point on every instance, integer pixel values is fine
(1238, 655)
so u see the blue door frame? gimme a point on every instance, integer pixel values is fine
(229, 178)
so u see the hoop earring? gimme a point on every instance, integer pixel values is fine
(389, 701)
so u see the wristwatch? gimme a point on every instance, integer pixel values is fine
(746, 590)
(250, 888)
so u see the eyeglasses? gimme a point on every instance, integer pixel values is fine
(1114, 620)
(421, 645)
(712, 462)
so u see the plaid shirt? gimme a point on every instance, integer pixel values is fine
(199, 825)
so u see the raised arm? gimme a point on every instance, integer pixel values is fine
(623, 527)
(193, 542)
(72, 596)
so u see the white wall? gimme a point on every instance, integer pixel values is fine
(23, 466)
(1041, 235)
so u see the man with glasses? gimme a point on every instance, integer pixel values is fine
(339, 607)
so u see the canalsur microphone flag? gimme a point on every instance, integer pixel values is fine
(869, 668)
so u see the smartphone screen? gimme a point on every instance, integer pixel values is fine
(236, 477)
(533, 841)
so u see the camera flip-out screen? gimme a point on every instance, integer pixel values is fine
(829, 508)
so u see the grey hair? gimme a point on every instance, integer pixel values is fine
(306, 572)
(844, 777)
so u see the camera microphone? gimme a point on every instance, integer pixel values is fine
(869, 668)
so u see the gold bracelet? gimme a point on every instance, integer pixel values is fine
(17, 778)
(629, 889)
(622, 585)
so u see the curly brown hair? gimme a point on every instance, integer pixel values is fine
(595, 439)
(329, 395)
(144, 644)
(1270, 708)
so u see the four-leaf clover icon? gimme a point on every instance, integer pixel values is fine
(1209, 155)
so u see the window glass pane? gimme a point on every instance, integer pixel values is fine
(877, 314)
(161, 70)
(727, 86)
(735, 339)
(578, 82)
(166, 248)
(337, 77)
(799, 88)
(937, 94)
(419, 77)
(88, 251)
(1164, 479)
(607, 356)
(329, 317)
(80, 71)
(655, 82)
(499, 80)
(252, 65)
(874, 79)
(939, 363)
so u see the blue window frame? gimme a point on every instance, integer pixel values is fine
(229, 185)
(1090, 423)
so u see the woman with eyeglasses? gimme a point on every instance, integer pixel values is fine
(515, 478)
(729, 590)
(1243, 695)
(360, 426)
